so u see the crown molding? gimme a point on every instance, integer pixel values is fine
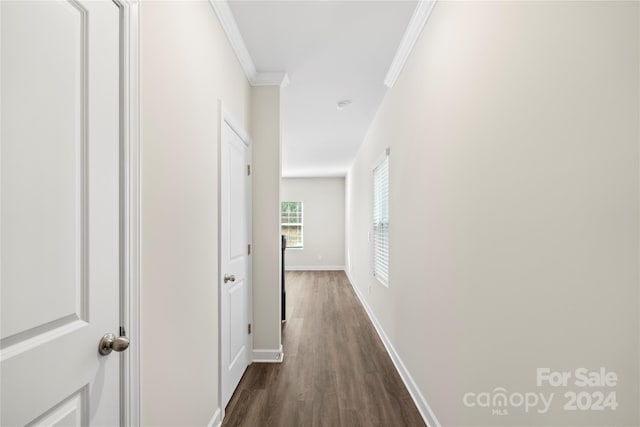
(270, 79)
(230, 27)
(411, 34)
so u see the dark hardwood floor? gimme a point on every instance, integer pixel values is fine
(335, 372)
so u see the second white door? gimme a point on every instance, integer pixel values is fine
(235, 262)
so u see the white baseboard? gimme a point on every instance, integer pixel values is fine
(427, 414)
(315, 268)
(268, 356)
(215, 421)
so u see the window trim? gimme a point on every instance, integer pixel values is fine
(379, 161)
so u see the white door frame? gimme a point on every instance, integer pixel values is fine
(225, 117)
(130, 210)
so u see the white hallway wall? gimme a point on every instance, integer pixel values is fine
(323, 210)
(514, 205)
(266, 170)
(187, 65)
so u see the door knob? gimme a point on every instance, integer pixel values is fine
(229, 278)
(110, 342)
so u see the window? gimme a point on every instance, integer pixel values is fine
(291, 223)
(381, 220)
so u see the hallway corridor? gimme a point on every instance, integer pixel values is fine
(336, 371)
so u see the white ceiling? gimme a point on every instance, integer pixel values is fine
(331, 50)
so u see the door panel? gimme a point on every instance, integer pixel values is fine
(237, 314)
(69, 412)
(234, 232)
(49, 176)
(60, 226)
(237, 194)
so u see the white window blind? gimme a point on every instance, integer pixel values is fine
(381, 221)
(291, 223)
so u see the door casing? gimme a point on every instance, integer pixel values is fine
(130, 211)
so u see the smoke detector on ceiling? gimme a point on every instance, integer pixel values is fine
(343, 104)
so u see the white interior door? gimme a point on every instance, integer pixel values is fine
(60, 226)
(235, 280)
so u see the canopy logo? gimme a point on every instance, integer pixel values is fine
(499, 400)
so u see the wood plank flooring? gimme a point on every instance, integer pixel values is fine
(335, 372)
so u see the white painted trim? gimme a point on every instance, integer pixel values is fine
(414, 29)
(423, 407)
(270, 79)
(221, 118)
(315, 268)
(286, 175)
(216, 421)
(130, 318)
(230, 27)
(268, 356)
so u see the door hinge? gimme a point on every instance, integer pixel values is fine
(249, 249)
(248, 170)
(249, 329)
